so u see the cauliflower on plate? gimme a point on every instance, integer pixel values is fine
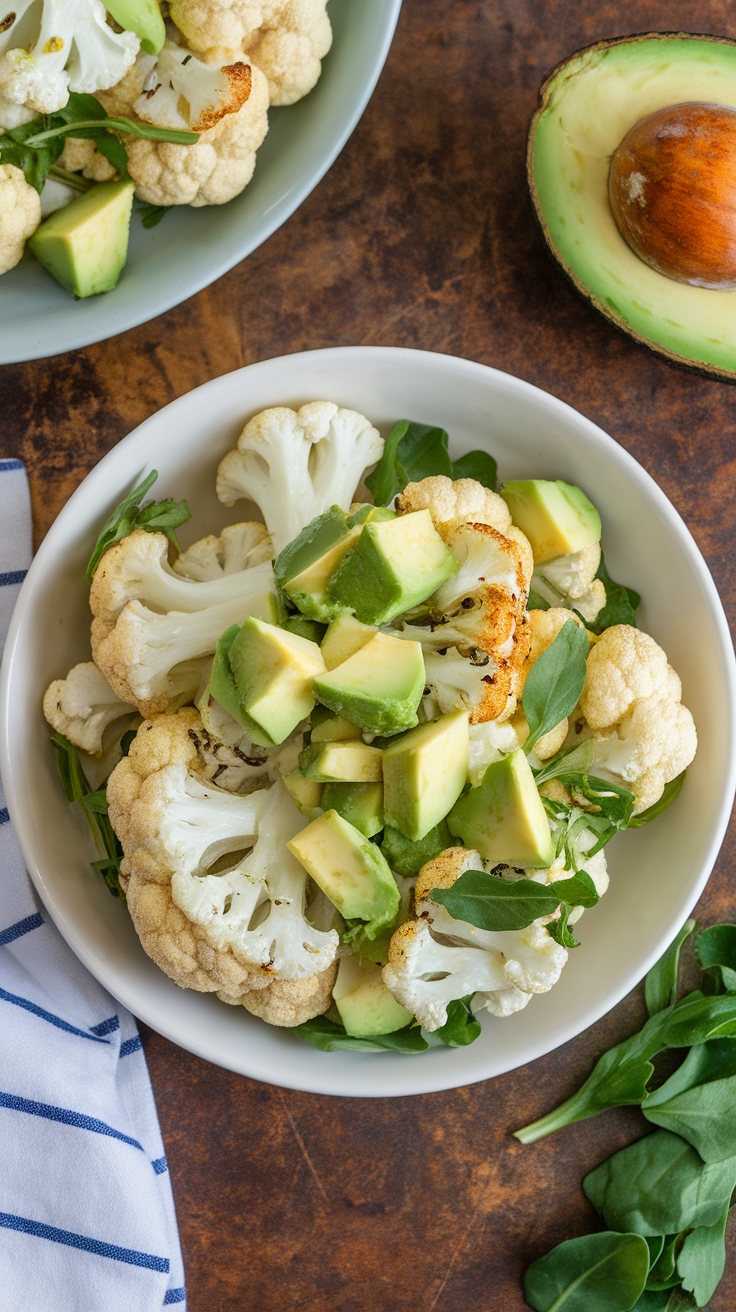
(240, 546)
(571, 580)
(82, 706)
(20, 215)
(285, 39)
(289, 1002)
(216, 898)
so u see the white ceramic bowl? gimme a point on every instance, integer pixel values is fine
(191, 248)
(657, 872)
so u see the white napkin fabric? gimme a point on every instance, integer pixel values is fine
(87, 1220)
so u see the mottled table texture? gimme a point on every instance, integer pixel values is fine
(420, 235)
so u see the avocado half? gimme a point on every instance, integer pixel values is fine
(587, 105)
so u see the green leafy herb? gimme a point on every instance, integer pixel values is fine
(663, 1268)
(496, 904)
(35, 147)
(596, 1273)
(461, 1027)
(328, 1036)
(702, 1259)
(660, 1186)
(407, 857)
(416, 451)
(555, 682)
(94, 807)
(621, 603)
(660, 988)
(535, 602)
(579, 891)
(560, 931)
(155, 517)
(715, 949)
(151, 215)
(668, 796)
(698, 1101)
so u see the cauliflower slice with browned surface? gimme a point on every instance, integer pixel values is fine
(289, 1002)
(285, 39)
(82, 706)
(435, 959)
(215, 896)
(20, 215)
(632, 704)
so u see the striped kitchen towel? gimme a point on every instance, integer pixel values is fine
(87, 1221)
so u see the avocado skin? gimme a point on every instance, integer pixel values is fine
(684, 363)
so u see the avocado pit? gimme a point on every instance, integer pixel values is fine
(672, 189)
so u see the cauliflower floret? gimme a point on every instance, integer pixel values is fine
(450, 501)
(218, 166)
(289, 1002)
(572, 578)
(82, 705)
(286, 39)
(631, 703)
(20, 215)
(436, 959)
(223, 932)
(180, 91)
(489, 742)
(241, 546)
(296, 464)
(81, 156)
(48, 50)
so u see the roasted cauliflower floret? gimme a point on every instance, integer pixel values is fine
(435, 959)
(239, 547)
(227, 931)
(20, 215)
(289, 1002)
(82, 705)
(571, 580)
(451, 501)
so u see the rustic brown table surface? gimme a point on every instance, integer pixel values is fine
(421, 235)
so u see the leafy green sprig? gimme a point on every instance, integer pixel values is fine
(416, 451)
(94, 808)
(155, 517)
(460, 1029)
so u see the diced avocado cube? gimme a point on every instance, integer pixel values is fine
(424, 773)
(504, 818)
(556, 517)
(347, 762)
(266, 607)
(394, 565)
(330, 728)
(309, 591)
(273, 672)
(307, 793)
(406, 857)
(304, 566)
(344, 637)
(222, 684)
(367, 514)
(379, 688)
(365, 1005)
(142, 17)
(349, 869)
(304, 628)
(360, 804)
(84, 245)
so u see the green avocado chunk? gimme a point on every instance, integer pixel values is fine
(557, 518)
(330, 728)
(424, 773)
(394, 565)
(406, 857)
(307, 793)
(588, 104)
(344, 637)
(142, 17)
(304, 566)
(273, 672)
(365, 1005)
(379, 688)
(360, 804)
(341, 762)
(504, 818)
(84, 245)
(349, 869)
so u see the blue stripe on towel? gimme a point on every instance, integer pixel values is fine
(174, 1296)
(106, 1026)
(160, 1165)
(130, 1045)
(41, 1231)
(20, 927)
(48, 1016)
(7, 465)
(13, 576)
(67, 1117)
(4, 815)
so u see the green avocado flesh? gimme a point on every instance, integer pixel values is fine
(142, 17)
(84, 245)
(273, 672)
(424, 773)
(394, 565)
(379, 688)
(349, 869)
(406, 857)
(365, 1005)
(346, 762)
(360, 804)
(504, 818)
(306, 793)
(557, 518)
(589, 103)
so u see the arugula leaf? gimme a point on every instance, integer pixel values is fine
(328, 1036)
(659, 1185)
(405, 856)
(496, 904)
(660, 988)
(604, 1272)
(621, 603)
(715, 949)
(668, 796)
(461, 1027)
(702, 1259)
(665, 1300)
(555, 682)
(90, 128)
(415, 451)
(94, 807)
(579, 891)
(151, 215)
(156, 517)
(663, 1271)
(698, 1101)
(560, 931)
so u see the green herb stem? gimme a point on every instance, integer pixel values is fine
(118, 125)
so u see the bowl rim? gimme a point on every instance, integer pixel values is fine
(77, 939)
(237, 251)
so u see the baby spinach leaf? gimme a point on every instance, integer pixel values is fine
(560, 931)
(704, 1115)
(405, 856)
(555, 682)
(715, 949)
(461, 1027)
(578, 891)
(702, 1259)
(662, 1272)
(151, 215)
(478, 465)
(621, 603)
(94, 807)
(671, 791)
(496, 904)
(156, 517)
(666, 1300)
(605, 1272)
(660, 989)
(328, 1036)
(416, 451)
(655, 1244)
(659, 1185)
